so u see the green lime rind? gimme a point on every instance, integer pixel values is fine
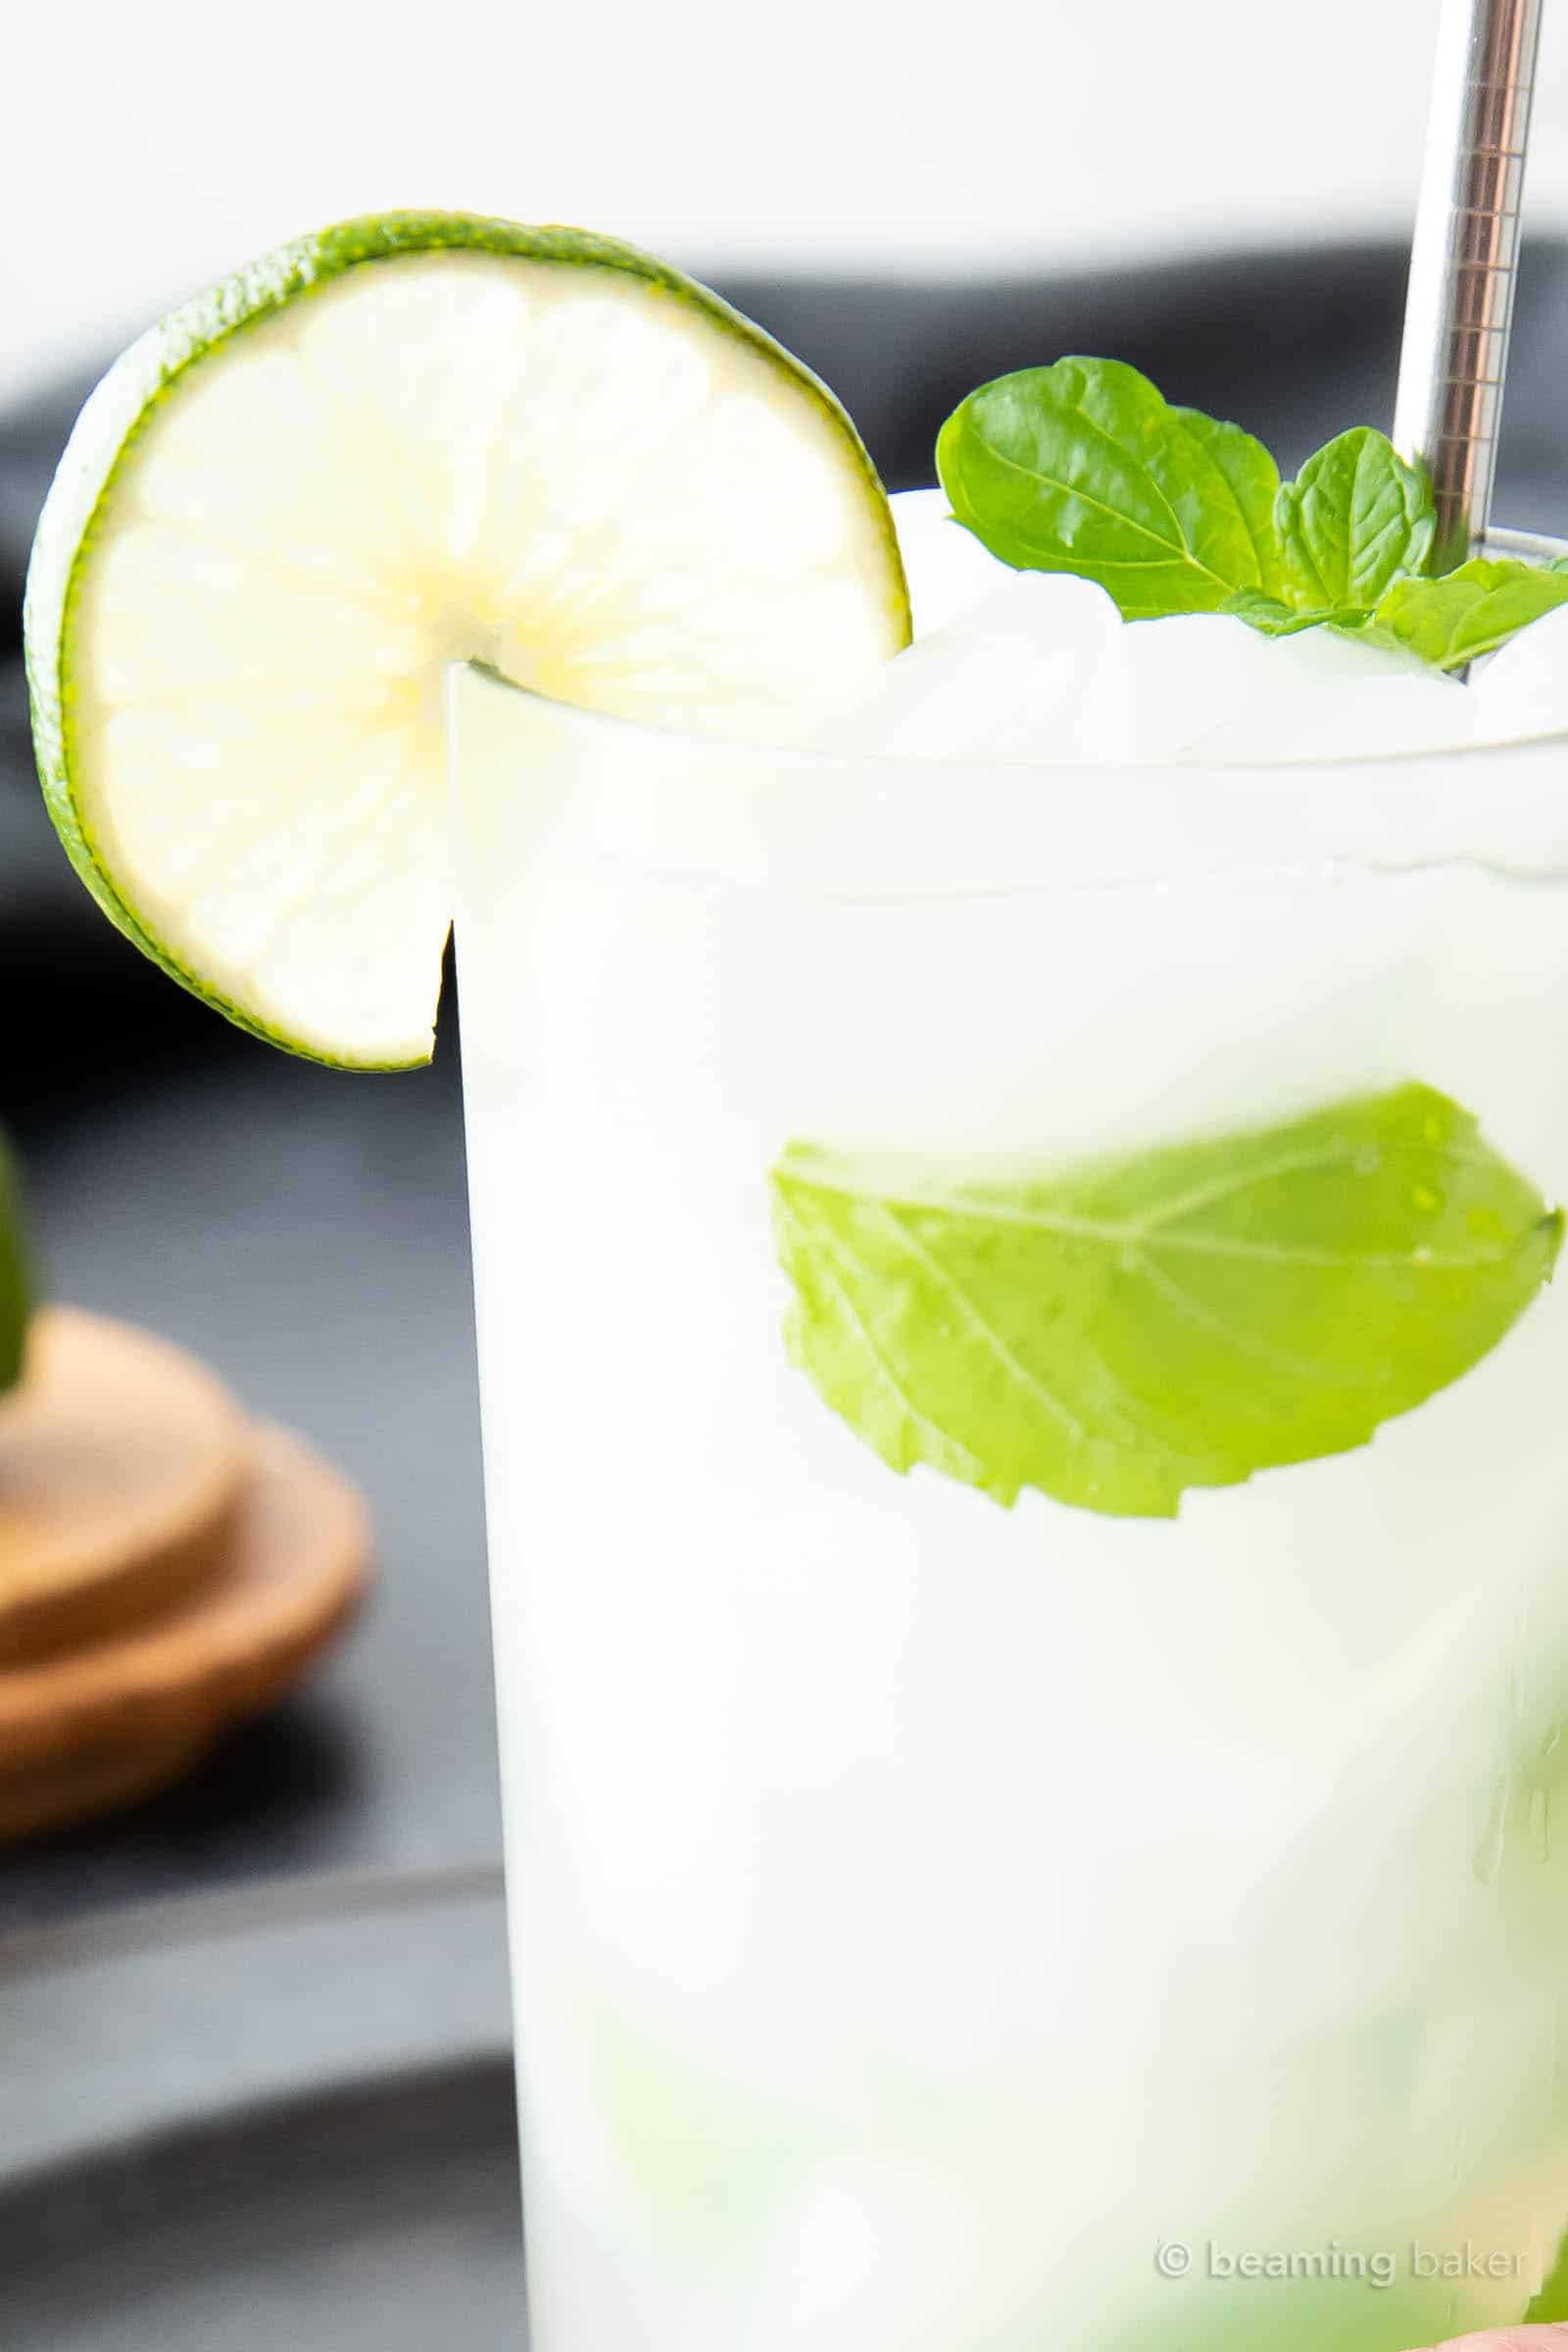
(18, 1284)
(120, 409)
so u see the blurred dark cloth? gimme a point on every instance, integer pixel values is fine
(308, 1232)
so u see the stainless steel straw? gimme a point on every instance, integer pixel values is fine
(1463, 263)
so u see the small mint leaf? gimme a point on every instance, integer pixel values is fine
(1115, 1334)
(1355, 519)
(1084, 467)
(1368, 629)
(1271, 618)
(1470, 612)
(1274, 618)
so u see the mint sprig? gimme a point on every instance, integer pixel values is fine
(1117, 1334)
(1084, 467)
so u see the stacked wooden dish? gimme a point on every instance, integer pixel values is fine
(167, 1566)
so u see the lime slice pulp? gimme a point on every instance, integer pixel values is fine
(412, 440)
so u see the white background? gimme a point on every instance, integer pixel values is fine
(150, 147)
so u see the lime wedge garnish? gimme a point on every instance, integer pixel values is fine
(412, 440)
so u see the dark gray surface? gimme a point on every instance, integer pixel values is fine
(306, 1233)
(122, 2027)
(280, 2113)
(384, 2219)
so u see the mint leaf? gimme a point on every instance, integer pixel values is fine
(1181, 1317)
(1470, 612)
(1355, 519)
(1084, 467)
(1252, 479)
(1273, 618)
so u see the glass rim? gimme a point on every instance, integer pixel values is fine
(827, 823)
(1501, 542)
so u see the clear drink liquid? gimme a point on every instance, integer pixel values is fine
(946, 1929)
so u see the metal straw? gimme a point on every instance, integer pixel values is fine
(1463, 265)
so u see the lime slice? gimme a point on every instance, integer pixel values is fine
(413, 440)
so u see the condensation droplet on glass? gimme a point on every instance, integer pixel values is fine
(1494, 1837)
(1541, 1822)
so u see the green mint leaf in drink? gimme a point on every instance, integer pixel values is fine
(1355, 519)
(1084, 467)
(1116, 1334)
(1470, 612)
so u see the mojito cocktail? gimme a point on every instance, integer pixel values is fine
(1015, 1191)
(941, 1924)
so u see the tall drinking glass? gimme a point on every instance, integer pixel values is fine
(942, 1927)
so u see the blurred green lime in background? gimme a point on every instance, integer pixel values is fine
(15, 1268)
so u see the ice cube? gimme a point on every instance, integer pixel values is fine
(1038, 669)
(1022, 675)
(946, 565)
(1054, 612)
(942, 699)
(1195, 679)
(874, 2252)
(1523, 689)
(1370, 720)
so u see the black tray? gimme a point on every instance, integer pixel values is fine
(280, 2120)
(385, 2218)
